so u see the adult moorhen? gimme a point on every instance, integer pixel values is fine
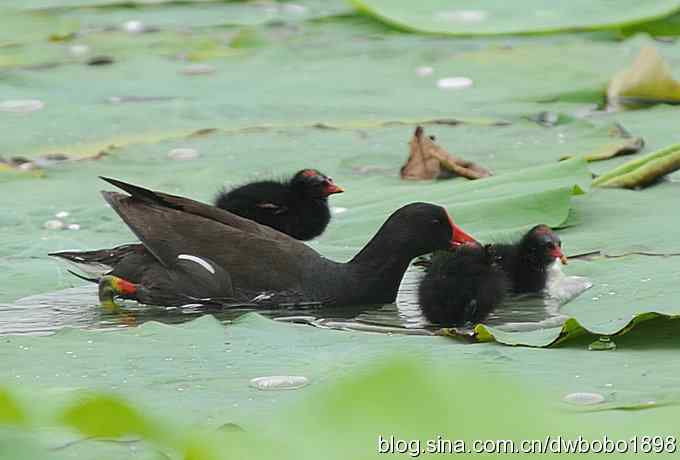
(297, 207)
(467, 284)
(194, 252)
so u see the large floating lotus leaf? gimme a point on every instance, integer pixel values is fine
(489, 17)
(198, 373)
(184, 16)
(239, 93)
(18, 27)
(46, 4)
(381, 390)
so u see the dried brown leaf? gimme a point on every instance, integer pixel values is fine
(428, 160)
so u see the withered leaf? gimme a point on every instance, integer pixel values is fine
(428, 160)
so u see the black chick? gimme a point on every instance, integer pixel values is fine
(462, 286)
(297, 207)
(526, 262)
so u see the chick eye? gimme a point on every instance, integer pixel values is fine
(437, 221)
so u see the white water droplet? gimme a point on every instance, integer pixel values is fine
(279, 382)
(62, 215)
(73, 226)
(134, 27)
(424, 71)
(79, 50)
(21, 105)
(183, 154)
(454, 83)
(294, 8)
(54, 224)
(584, 399)
(461, 16)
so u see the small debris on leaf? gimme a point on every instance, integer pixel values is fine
(198, 69)
(428, 161)
(100, 60)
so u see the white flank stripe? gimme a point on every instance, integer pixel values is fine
(203, 263)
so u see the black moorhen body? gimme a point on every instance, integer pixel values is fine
(226, 258)
(466, 284)
(526, 262)
(462, 286)
(297, 207)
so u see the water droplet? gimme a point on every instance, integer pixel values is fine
(461, 16)
(198, 69)
(424, 71)
(54, 224)
(611, 293)
(583, 399)
(596, 299)
(609, 385)
(454, 83)
(73, 226)
(294, 8)
(169, 358)
(644, 280)
(180, 389)
(21, 105)
(279, 382)
(69, 352)
(183, 154)
(62, 215)
(134, 27)
(577, 376)
(602, 344)
(79, 50)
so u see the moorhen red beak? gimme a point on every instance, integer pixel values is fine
(332, 188)
(460, 237)
(558, 254)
